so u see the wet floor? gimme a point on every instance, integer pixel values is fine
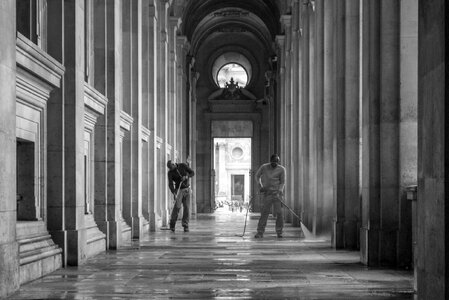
(213, 262)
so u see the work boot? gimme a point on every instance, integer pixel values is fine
(259, 235)
(172, 229)
(279, 234)
(186, 229)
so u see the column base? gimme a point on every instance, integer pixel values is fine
(76, 247)
(369, 246)
(345, 234)
(137, 226)
(60, 238)
(114, 234)
(9, 268)
(337, 239)
(152, 222)
(166, 217)
(378, 247)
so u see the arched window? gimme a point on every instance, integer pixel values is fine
(231, 65)
(234, 71)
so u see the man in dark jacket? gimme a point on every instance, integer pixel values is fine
(178, 182)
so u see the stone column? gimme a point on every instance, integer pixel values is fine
(145, 96)
(352, 129)
(346, 162)
(295, 180)
(329, 83)
(183, 112)
(370, 84)
(128, 102)
(338, 130)
(97, 75)
(389, 129)
(55, 141)
(408, 131)
(74, 131)
(173, 111)
(381, 88)
(311, 172)
(280, 43)
(137, 114)
(163, 100)
(9, 256)
(319, 223)
(114, 95)
(433, 151)
(286, 119)
(192, 136)
(304, 134)
(152, 112)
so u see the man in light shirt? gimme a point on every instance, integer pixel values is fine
(271, 179)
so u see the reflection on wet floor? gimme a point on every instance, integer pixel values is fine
(213, 262)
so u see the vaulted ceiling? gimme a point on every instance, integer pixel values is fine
(253, 20)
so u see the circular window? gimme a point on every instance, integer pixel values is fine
(237, 152)
(232, 72)
(231, 65)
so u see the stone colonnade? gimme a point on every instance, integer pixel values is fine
(111, 105)
(365, 101)
(348, 130)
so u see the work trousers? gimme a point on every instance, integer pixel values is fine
(268, 200)
(183, 197)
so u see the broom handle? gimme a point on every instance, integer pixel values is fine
(290, 209)
(283, 203)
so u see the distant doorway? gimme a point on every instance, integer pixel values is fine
(232, 166)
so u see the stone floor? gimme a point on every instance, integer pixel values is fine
(213, 262)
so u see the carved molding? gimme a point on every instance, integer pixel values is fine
(231, 29)
(146, 133)
(168, 148)
(231, 13)
(159, 142)
(126, 121)
(94, 100)
(33, 59)
(90, 119)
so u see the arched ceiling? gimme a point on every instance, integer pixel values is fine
(197, 10)
(256, 19)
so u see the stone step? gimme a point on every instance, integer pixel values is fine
(30, 244)
(39, 254)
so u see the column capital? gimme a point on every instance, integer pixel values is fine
(175, 22)
(286, 20)
(280, 40)
(183, 42)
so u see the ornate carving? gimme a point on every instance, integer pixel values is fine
(232, 29)
(232, 91)
(231, 13)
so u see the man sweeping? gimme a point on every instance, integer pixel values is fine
(271, 179)
(178, 182)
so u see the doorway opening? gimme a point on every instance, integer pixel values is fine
(232, 166)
